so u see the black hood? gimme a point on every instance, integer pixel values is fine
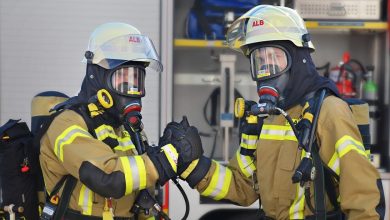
(93, 81)
(304, 77)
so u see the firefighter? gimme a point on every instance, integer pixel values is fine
(278, 46)
(87, 139)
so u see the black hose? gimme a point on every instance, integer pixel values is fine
(290, 121)
(185, 198)
(308, 200)
(164, 216)
(314, 124)
(292, 125)
(351, 71)
(363, 69)
(214, 143)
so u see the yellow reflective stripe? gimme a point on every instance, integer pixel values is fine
(334, 163)
(124, 148)
(133, 92)
(277, 132)
(248, 141)
(246, 164)
(128, 175)
(297, 208)
(125, 144)
(342, 147)
(105, 131)
(67, 137)
(189, 169)
(172, 155)
(85, 200)
(277, 127)
(135, 173)
(220, 183)
(347, 143)
(213, 182)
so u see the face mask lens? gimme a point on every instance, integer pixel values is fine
(268, 62)
(128, 81)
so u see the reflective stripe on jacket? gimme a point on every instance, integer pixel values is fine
(68, 148)
(277, 156)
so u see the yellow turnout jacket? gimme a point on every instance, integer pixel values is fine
(276, 156)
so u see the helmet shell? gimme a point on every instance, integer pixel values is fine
(112, 44)
(266, 23)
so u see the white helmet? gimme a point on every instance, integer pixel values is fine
(113, 44)
(268, 23)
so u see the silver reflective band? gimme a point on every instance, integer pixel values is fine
(105, 131)
(249, 141)
(67, 137)
(134, 172)
(271, 134)
(221, 178)
(85, 200)
(220, 182)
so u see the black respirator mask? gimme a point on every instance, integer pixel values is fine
(270, 65)
(126, 85)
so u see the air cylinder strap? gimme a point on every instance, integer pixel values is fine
(65, 197)
(319, 187)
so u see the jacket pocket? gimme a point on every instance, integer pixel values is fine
(288, 159)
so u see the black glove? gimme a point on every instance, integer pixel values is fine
(184, 138)
(178, 147)
(192, 165)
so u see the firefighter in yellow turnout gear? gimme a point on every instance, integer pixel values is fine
(278, 46)
(89, 139)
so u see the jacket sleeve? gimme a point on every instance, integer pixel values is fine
(360, 187)
(232, 182)
(94, 163)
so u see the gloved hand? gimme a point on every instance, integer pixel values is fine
(250, 128)
(179, 146)
(185, 138)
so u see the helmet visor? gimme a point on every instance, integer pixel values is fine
(126, 48)
(235, 36)
(128, 81)
(268, 62)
